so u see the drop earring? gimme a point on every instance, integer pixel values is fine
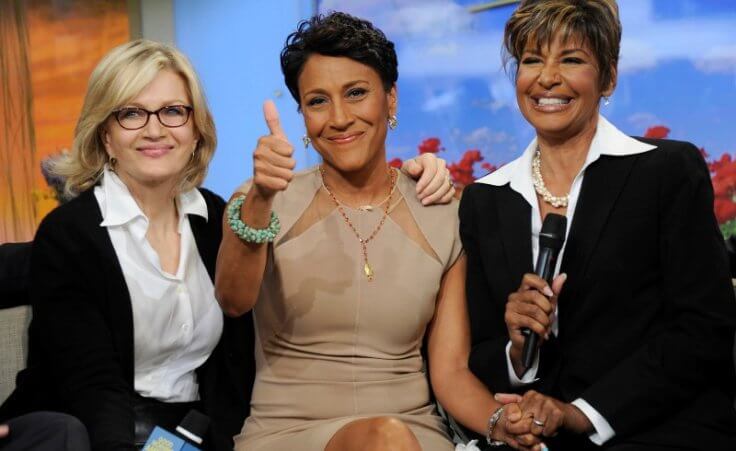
(306, 140)
(113, 162)
(393, 122)
(606, 101)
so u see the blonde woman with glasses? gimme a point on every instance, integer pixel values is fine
(126, 331)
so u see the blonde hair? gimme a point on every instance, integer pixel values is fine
(596, 22)
(118, 78)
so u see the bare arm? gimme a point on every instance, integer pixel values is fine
(465, 397)
(241, 265)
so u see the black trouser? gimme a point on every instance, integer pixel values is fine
(45, 431)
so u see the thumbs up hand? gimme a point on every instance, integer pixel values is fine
(273, 164)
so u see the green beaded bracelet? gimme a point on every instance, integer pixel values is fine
(247, 233)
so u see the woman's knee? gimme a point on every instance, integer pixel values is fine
(389, 433)
(375, 434)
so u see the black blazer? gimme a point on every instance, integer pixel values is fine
(81, 336)
(647, 314)
(15, 267)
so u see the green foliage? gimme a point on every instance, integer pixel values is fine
(728, 229)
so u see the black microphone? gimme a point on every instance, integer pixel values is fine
(189, 434)
(551, 239)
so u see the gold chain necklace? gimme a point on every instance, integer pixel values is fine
(366, 207)
(367, 269)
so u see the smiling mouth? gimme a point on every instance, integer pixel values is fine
(551, 104)
(545, 101)
(345, 139)
(154, 152)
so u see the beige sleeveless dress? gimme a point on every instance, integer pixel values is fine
(333, 347)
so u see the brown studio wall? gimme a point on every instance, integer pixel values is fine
(17, 145)
(58, 43)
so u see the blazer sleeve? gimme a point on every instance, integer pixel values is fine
(693, 348)
(487, 327)
(82, 362)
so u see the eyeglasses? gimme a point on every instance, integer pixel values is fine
(171, 116)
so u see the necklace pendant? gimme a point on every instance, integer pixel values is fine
(368, 271)
(366, 208)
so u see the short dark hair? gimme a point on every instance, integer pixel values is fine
(596, 22)
(338, 34)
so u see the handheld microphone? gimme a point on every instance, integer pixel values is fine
(190, 431)
(551, 239)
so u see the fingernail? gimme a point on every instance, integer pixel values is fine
(425, 201)
(563, 276)
(496, 397)
(544, 447)
(548, 291)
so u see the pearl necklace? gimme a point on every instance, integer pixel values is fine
(541, 188)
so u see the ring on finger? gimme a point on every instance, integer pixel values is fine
(449, 181)
(538, 423)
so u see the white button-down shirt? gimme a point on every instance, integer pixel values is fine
(176, 319)
(608, 140)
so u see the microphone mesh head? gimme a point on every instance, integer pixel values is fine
(554, 229)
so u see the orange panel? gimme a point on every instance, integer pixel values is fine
(66, 40)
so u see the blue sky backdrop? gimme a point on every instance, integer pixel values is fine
(677, 69)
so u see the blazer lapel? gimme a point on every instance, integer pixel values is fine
(207, 245)
(118, 296)
(514, 218)
(602, 185)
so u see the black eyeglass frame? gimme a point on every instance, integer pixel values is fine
(188, 109)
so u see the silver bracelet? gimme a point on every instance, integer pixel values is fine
(492, 421)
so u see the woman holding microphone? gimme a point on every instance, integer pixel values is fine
(637, 328)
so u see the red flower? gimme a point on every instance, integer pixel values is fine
(488, 167)
(396, 163)
(723, 177)
(658, 131)
(431, 145)
(462, 171)
(725, 210)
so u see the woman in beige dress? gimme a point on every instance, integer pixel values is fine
(349, 276)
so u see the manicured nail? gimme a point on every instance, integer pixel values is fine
(548, 291)
(544, 447)
(563, 276)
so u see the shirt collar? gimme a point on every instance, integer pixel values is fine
(608, 140)
(191, 203)
(121, 208)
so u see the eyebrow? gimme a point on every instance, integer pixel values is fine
(163, 104)
(563, 53)
(347, 85)
(569, 51)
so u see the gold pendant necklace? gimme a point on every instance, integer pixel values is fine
(367, 268)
